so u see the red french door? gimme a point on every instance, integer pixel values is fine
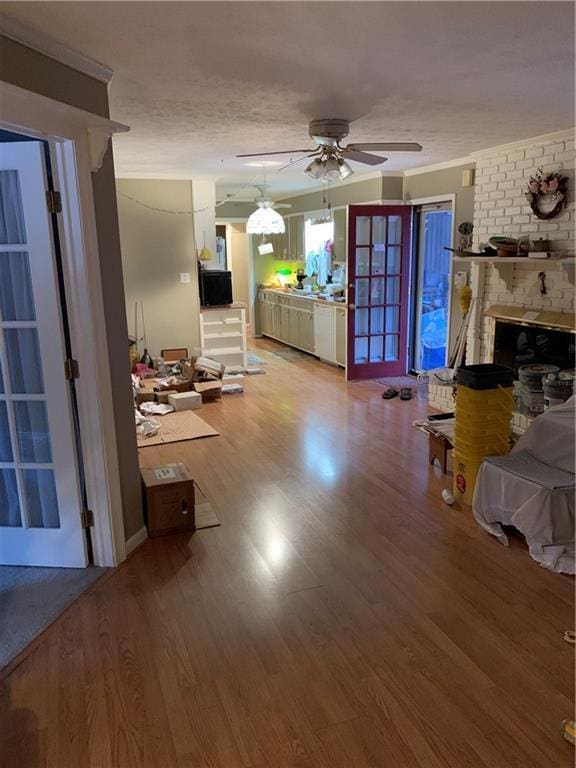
(378, 290)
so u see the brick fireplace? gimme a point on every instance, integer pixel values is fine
(500, 208)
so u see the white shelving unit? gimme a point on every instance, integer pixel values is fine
(223, 335)
(505, 265)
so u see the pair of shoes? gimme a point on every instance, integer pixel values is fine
(405, 393)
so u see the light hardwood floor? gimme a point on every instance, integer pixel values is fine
(341, 617)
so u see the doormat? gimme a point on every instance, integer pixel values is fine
(287, 354)
(176, 427)
(255, 360)
(32, 598)
(419, 388)
(204, 511)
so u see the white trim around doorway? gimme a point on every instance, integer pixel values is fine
(78, 141)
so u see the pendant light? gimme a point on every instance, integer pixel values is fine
(265, 220)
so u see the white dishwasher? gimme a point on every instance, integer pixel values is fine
(324, 331)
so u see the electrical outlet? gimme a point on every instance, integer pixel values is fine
(184, 277)
(460, 279)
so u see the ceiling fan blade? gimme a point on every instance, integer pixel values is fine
(281, 152)
(383, 146)
(362, 157)
(288, 165)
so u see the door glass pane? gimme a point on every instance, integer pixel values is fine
(41, 499)
(5, 443)
(1, 380)
(362, 288)
(9, 504)
(379, 230)
(393, 290)
(433, 290)
(361, 350)
(16, 301)
(377, 320)
(377, 290)
(361, 322)
(378, 260)
(362, 261)
(12, 230)
(363, 230)
(394, 230)
(376, 349)
(33, 432)
(24, 363)
(392, 319)
(391, 348)
(393, 260)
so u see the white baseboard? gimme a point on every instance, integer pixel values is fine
(135, 541)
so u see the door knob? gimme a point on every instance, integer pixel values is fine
(351, 306)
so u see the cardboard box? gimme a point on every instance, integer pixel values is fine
(144, 397)
(162, 397)
(185, 401)
(208, 390)
(168, 500)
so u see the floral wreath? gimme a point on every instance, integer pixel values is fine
(539, 186)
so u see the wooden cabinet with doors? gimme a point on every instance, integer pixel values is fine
(306, 330)
(340, 239)
(295, 225)
(341, 332)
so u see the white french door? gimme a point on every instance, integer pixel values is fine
(40, 499)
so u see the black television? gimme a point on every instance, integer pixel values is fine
(215, 287)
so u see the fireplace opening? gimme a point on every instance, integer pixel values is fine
(516, 345)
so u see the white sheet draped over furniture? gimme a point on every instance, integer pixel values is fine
(533, 489)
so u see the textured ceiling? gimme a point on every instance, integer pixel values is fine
(199, 82)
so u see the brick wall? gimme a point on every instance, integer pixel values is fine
(500, 207)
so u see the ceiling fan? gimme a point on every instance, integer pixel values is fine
(330, 156)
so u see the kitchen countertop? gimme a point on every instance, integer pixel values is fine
(301, 295)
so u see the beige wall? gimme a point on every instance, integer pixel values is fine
(382, 188)
(33, 71)
(156, 248)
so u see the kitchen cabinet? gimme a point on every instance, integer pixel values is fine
(341, 334)
(340, 235)
(306, 330)
(311, 325)
(295, 226)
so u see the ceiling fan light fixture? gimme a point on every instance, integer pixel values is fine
(328, 168)
(315, 170)
(265, 221)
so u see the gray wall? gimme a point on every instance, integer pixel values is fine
(445, 181)
(35, 72)
(156, 248)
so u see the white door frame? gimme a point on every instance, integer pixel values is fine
(78, 142)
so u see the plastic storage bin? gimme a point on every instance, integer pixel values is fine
(485, 376)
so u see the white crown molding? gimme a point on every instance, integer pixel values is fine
(546, 138)
(42, 43)
(439, 166)
(41, 116)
